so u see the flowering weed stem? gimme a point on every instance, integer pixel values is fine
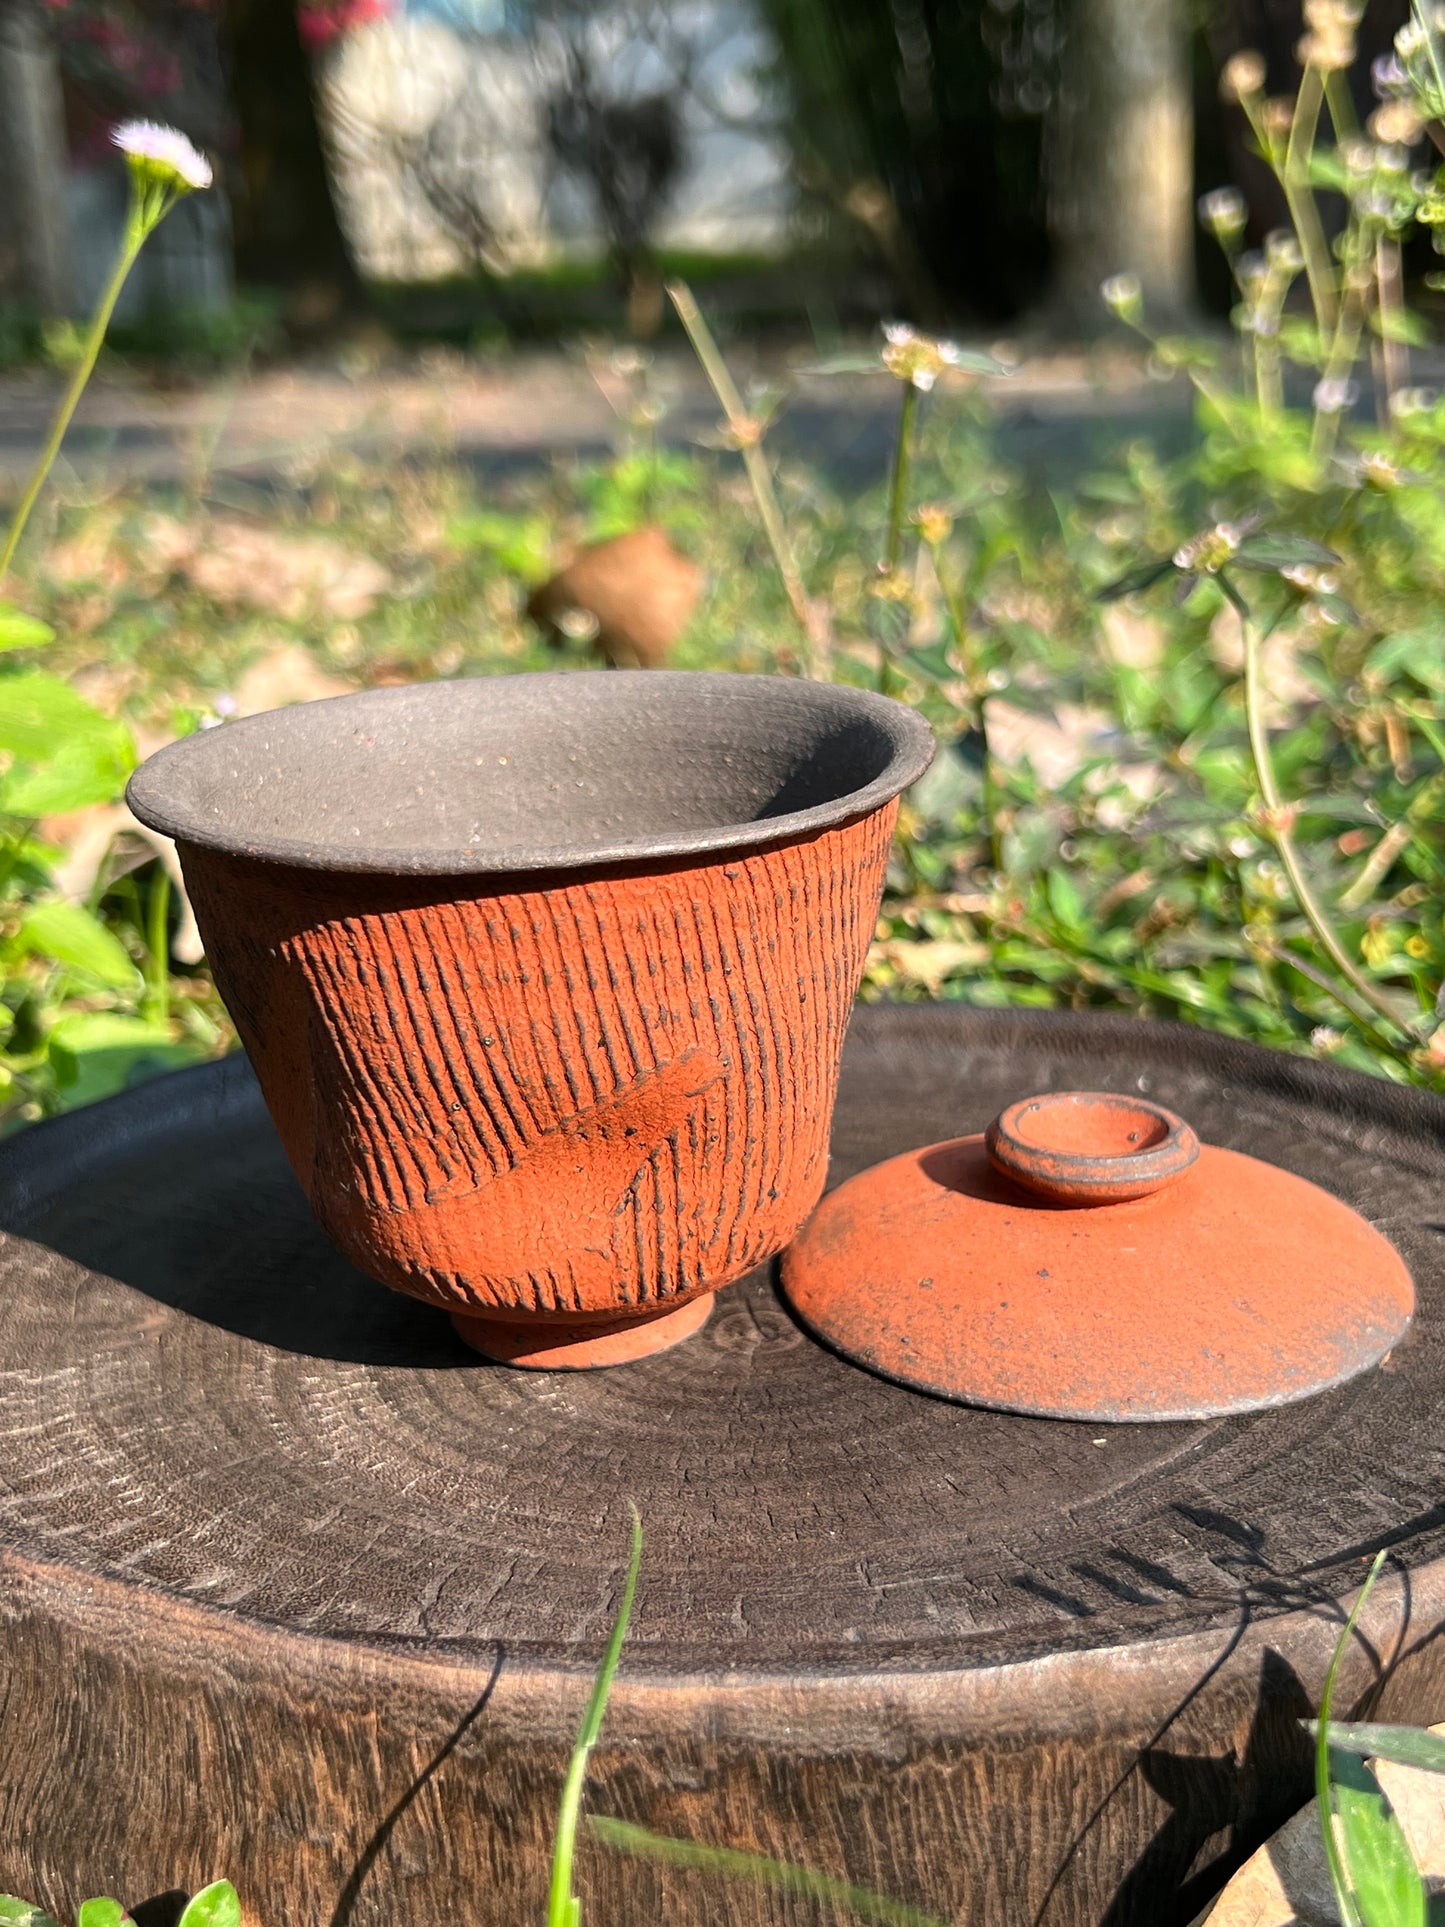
(747, 436)
(163, 167)
(977, 711)
(1394, 351)
(898, 490)
(1334, 390)
(84, 368)
(1294, 179)
(1278, 821)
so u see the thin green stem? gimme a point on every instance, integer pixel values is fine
(1378, 863)
(1434, 47)
(1255, 352)
(14, 849)
(1294, 179)
(1344, 347)
(1217, 398)
(1269, 385)
(135, 235)
(1390, 294)
(155, 1005)
(1342, 108)
(1428, 730)
(978, 706)
(1277, 822)
(898, 491)
(747, 437)
(887, 609)
(1344, 1893)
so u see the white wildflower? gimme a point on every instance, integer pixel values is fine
(1124, 296)
(163, 154)
(1414, 401)
(1223, 212)
(1409, 41)
(1334, 394)
(1283, 252)
(1388, 77)
(917, 358)
(1207, 553)
(1243, 75)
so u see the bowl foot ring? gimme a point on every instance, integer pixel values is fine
(583, 1345)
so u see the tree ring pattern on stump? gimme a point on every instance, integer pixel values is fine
(198, 1396)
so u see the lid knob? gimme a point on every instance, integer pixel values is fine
(1090, 1147)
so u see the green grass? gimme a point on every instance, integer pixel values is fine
(1106, 853)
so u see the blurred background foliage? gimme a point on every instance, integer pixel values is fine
(477, 204)
(516, 164)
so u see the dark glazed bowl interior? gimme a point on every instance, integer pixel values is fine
(558, 771)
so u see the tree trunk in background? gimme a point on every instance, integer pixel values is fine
(287, 232)
(34, 206)
(896, 118)
(1121, 188)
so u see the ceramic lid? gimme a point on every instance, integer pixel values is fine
(1088, 1258)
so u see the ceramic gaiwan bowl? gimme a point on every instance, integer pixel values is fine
(545, 977)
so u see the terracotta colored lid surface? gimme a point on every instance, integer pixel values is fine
(1086, 1258)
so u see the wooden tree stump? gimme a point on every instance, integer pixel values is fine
(298, 1590)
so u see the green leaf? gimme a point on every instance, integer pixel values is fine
(101, 1913)
(21, 631)
(1401, 325)
(1143, 577)
(1120, 489)
(1380, 1867)
(218, 1905)
(22, 1913)
(1269, 552)
(1182, 351)
(80, 756)
(1413, 652)
(1344, 614)
(86, 771)
(1065, 901)
(564, 1909)
(969, 361)
(522, 544)
(1344, 1891)
(71, 935)
(1232, 596)
(40, 714)
(860, 1901)
(934, 662)
(973, 361)
(1324, 168)
(1405, 1745)
(94, 1054)
(844, 365)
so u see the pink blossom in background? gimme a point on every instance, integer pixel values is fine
(320, 22)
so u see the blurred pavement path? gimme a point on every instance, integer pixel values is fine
(533, 407)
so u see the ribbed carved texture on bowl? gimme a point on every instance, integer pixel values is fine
(614, 1092)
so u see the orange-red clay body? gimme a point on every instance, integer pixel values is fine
(564, 1107)
(545, 978)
